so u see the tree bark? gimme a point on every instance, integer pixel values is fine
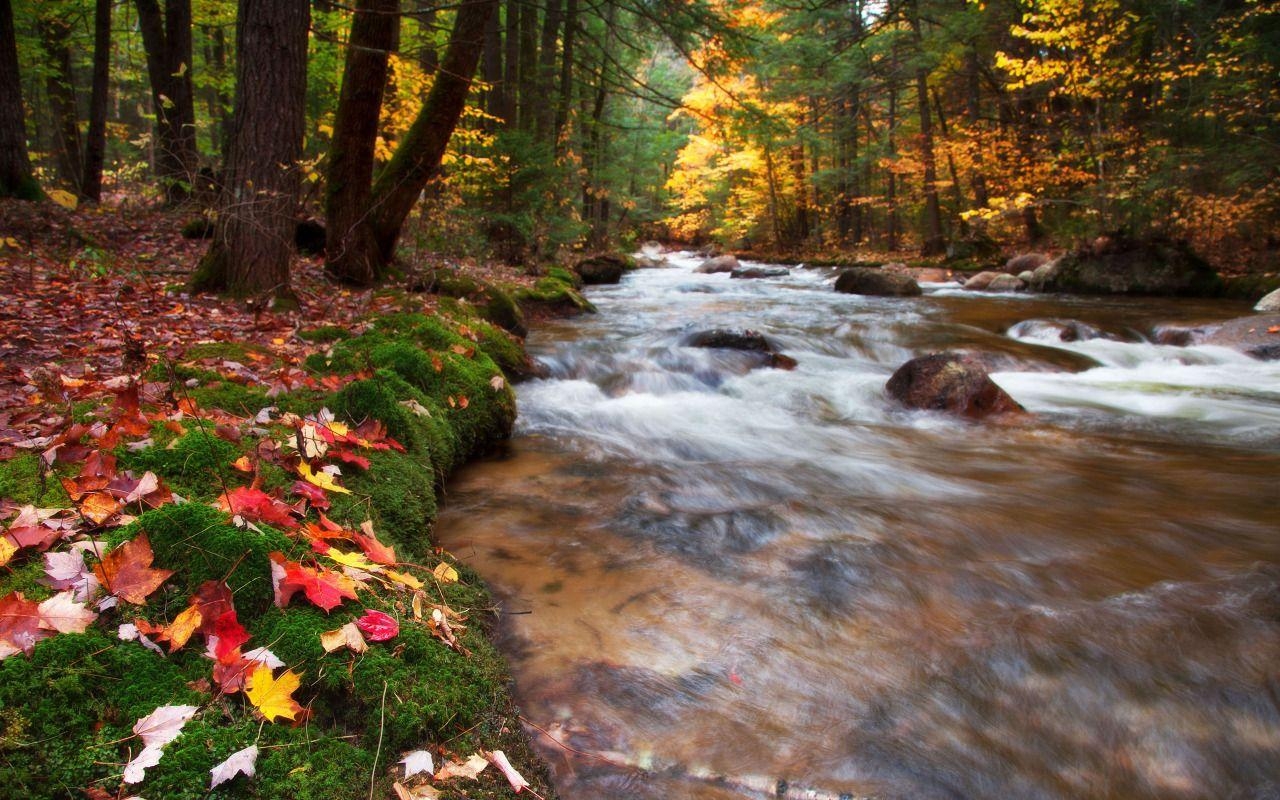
(491, 69)
(166, 37)
(253, 235)
(932, 242)
(546, 114)
(16, 179)
(529, 99)
(95, 151)
(417, 159)
(55, 35)
(511, 61)
(351, 250)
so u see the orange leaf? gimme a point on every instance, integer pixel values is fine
(127, 573)
(183, 626)
(243, 464)
(98, 507)
(274, 696)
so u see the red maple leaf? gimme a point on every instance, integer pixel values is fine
(374, 549)
(350, 458)
(314, 494)
(126, 572)
(230, 673)
(378, 625)
(213, 598)
(323, 587)
(256, 505)
(19, 624)
(231, 634)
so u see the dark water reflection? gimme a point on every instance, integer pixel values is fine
(745, 582)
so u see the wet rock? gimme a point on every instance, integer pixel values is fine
(1026, 276)
(602, 269)
(745, 341)
(1124, 265)
(1027, 262)
(956, 383)
(1250, 335)
(718, 264)
(1043, 275)
(1270, 302)
(876, 283)
(1062, 330)
(982, 281)
(931, 274)
(1006, 283)
(760, 272)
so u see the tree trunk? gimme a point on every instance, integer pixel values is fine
(932, 243)
(95, 152)
(566, 72)
(546, 114)
(55, 34)
(511, 61)
(253, 235)
(15, 166)
(891, 195)
(417, 159)
(355, 133)
(529, 99)
(166, 37)
(491, 70)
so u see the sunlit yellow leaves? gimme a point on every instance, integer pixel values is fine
(445, 573)
(63, 198)
(273, 697)
(322, 479)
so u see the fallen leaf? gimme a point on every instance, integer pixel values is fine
(417, 761)
(378, 626)
(471, 768)
(314, 494)
(353, 560)
(347, 636)
(497, 382)
(445, 573)
(183, 626)
(499, 760)
(323, 587)
(243, 464)
(322, 479)
(256, 505)
(274, 696)
(63, 614)
(403, 578)
(19, 625)
(229, 635)
(156, 730)
(240, 762)
(126, 571)
(7, 550)
(423, 792)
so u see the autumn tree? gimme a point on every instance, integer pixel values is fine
(16, 179)
(366, 223)
(167, 39)
(253, 235)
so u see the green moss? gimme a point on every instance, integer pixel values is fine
(555, 292)
(200, 544)
(24, 481)
(502, 310)
(398, 492)
(25, 578)
(376, 398)
(196, 465)
(226, 351)
(234, 398)
(566, 275)
(325, 333)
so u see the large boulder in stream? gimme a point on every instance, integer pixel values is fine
(760, 272)
(957, 383)
(718, 264)
(876, 282)
(602, 269)
(1258, 336)
(745, 341)
(1269, 302)
(1125, 265)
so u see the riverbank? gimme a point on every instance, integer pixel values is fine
(221, 516)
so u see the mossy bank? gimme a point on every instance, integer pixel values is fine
(440, 387)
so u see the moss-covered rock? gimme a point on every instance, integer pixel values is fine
(398, 492)
(197, 465)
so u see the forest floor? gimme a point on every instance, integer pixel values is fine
(95, 290)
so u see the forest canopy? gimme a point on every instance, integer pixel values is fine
(521, 129)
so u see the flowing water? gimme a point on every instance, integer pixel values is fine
(721, 581)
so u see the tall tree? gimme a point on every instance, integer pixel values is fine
(370, 246)
(166, 36)
(95, 145)
(932, 243)
(15, 166)
(355, 134)
(253, 236)
(55, 37)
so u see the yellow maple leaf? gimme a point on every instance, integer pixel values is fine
(274, 696)
(183, 626)
(445, 573)
(7, 550)
(63, 198)
(404, 578)
(322, 479)
(353, 560)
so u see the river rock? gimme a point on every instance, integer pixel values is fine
(982, 281)
(1006, 283)
(746, 341)
(1258, 336)
(760, 272)
(1270, 302)
(718, 264)
(956, 383)
(1043, 275)
(602, 269)
(1125, 265)
(1062, 330)
(876, 282)
(1027, 262)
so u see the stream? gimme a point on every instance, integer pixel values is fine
(720, 582)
